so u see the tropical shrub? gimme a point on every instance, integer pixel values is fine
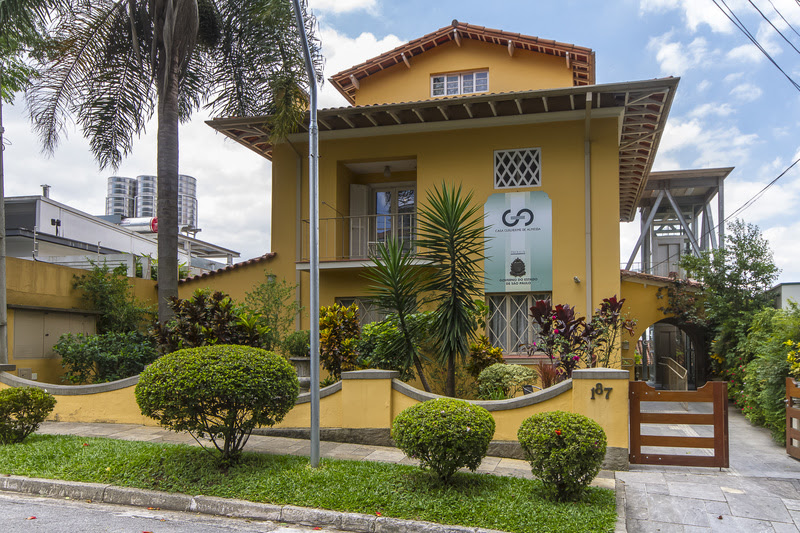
(548, 374)
(559, 334)
(109, 292)
(565, 451)
(21, 411)
(482, 355)
(209, 318)
(105, 357)
(383, 344)
(445, 434)
(221, 392)
(773, 335)
(273, 300)
(338, 336)
(504, 381)
(297, 344)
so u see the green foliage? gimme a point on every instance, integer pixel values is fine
(105, 357)
(450, 236)
(208, 318)
(274, 300)
(501, 381)
(221, 392)
(444, 434)
(480, 501)
(338, 337)
(380, 344)
(21, 411)
(110, 292)
(762, 381)
(297, 344)
(565, 451)
(601, 334)
(482, 355)
(396, 283)
(736, 283)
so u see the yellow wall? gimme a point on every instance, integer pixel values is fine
(466, 157)
(641, 303)
(374, 403)
(44, 285)
(522, 72)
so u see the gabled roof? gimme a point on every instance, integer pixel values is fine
(642, 106)
(260, 259)
(579, 58)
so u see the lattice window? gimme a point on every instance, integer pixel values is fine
(517, 168)
(509, 325)
(368, 310)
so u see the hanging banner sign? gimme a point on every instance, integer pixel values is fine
(519, 247)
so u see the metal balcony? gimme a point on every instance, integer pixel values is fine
(356, 238)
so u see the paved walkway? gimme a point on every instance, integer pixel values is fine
(759, 492)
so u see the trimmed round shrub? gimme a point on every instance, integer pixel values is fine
(445, 434)
(221, 392)
(503, 381)
(565, 451)
(21, 411)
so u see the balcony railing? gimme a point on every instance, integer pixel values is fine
(356, 238)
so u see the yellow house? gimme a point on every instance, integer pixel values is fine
(556, 160)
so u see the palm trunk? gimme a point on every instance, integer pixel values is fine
(450, 384)
(167, 196)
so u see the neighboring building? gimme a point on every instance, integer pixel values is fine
(785, 292)
(138, 198)
(39, 228)
(556, 160)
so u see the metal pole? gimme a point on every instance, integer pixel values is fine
(3, 309)
(313, 208)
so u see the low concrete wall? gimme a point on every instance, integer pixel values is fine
(362, 406)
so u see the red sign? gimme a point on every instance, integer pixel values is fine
(154, 225)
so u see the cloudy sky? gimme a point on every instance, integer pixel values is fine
(732, 108)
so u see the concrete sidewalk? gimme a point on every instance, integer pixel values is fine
(759, 492)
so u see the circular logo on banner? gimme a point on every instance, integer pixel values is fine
(522, 214)
(154, 225)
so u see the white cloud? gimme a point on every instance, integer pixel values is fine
(746, 92)
(676, 58)
(745, 53)
(703, 85)
(705, 110)
(732, 77)
(695, 145)
(342, 52)
(342, 6)
(695, 13)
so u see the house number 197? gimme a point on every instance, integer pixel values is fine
(599, 390)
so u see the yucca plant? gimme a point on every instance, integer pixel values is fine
(396, 282)
(450, 236)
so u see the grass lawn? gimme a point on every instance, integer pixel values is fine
(355, 486)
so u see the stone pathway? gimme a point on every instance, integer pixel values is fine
(759, 492)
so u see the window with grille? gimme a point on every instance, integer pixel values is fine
(368, 310)
(517, 168)
(460, 83)
(509, 325)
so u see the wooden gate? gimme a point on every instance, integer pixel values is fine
(792, 418)
(713, 392)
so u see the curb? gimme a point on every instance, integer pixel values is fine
(211, 505)
(622, 523)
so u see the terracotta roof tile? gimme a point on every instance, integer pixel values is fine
(261, 259)
(630, 274)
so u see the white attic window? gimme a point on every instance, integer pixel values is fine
(456, 83)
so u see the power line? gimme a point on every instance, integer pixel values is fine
(783, 18)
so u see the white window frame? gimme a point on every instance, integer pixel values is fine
(504, 338)
(368, 310)
(537, 178)
(460, 79)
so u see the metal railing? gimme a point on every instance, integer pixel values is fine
(357, 237)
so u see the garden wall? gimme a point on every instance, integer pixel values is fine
(361, 407)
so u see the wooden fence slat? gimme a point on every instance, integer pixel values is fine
(715, 393)
(674, 441)
(679, 460)
(792, 413)
(677, 418)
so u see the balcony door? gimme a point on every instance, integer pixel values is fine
(378, 213)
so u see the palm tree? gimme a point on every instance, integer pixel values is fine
(117, 62)
(21, 22)
(451, 237)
